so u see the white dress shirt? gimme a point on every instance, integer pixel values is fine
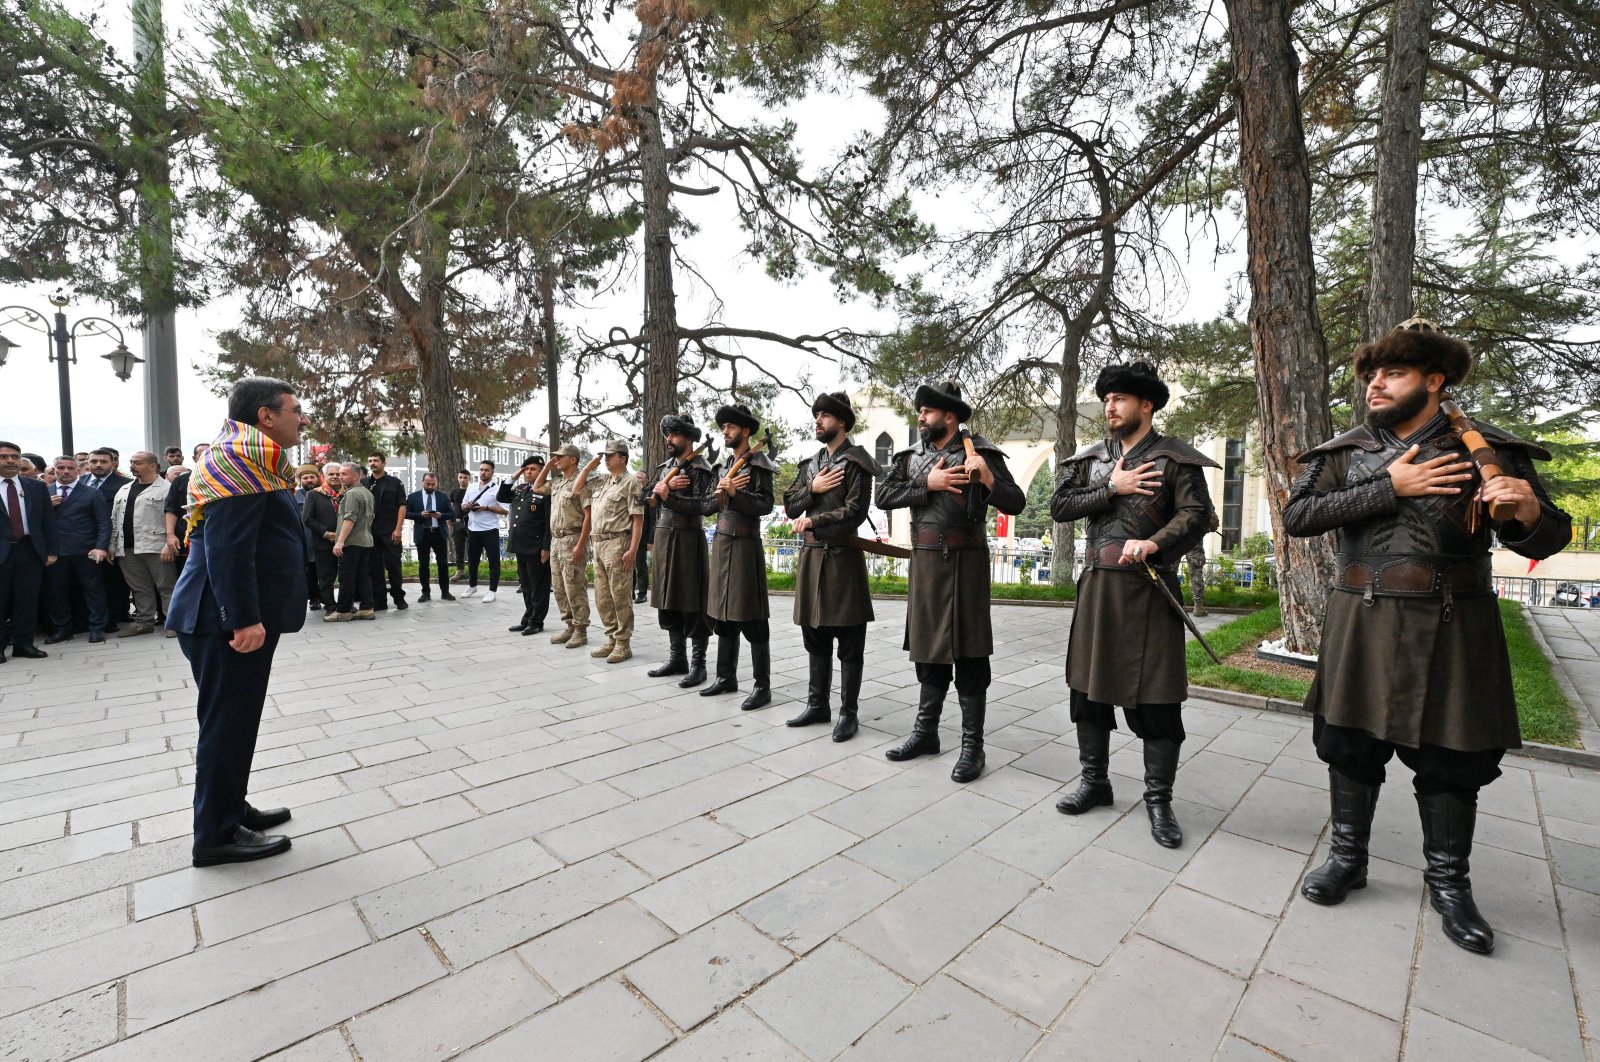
(22, 502)
(483, 494)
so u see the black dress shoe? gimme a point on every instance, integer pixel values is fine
(400, 604)
(54, 639)
(96, 637)
(316, 606)
(533, 628)
(247, 845)
(425, 598)
(256, 819)
(29, 652)
(447, 597)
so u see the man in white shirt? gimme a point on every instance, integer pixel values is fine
(483, 511)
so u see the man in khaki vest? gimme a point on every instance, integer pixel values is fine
(569, 542)
(616, 518)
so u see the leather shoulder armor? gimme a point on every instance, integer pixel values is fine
(1360, 438)
(858, 456)
(1181, 452)
(1093, 451)
(762, 461)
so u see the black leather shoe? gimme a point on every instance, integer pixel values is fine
(425, 598)
(517, 628)
(56, 639)
(846, 727)
(247, 845)
(918, 744)
(29, 652)
(533, 628)
(316, 606)
(96, 637)
(400, 604)
(760, 697)
(447, 597)
(256, 819)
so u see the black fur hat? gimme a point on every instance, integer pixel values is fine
(836, 404)
(675, 424)
(738, 414)
(945, 395)
(1136, 378)
(1420, 343)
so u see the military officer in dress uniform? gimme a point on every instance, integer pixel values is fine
(736, 599)
(617, 520)
(678, 585)
(1145, 498)
(1413, 659)
(949, 492)
(569, 543)
(529, 539)
(827, 501)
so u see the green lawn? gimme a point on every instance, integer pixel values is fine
(1228, 639)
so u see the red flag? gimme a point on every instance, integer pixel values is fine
(1531, 565)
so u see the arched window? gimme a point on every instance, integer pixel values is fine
(883, 451)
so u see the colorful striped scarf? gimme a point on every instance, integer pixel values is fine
(242, 460)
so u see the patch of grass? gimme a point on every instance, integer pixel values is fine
(1242, 633)
(1543, 710)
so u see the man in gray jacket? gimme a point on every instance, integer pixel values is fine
(139, 542)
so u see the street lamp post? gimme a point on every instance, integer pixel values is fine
(61, 345)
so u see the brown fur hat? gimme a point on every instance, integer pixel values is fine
(1417, 343)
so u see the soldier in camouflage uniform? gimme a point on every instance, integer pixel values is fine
(569, 543)
(678, 584)
(616, 521)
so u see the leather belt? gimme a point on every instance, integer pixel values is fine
(738, 525)
(1109, 555)
(681, 521)
(567, 533)
(960, 538)
(606, 536)
(1414, 576)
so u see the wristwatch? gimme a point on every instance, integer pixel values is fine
(1111, 487)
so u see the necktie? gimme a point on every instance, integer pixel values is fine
(14, 510)
(66, 492)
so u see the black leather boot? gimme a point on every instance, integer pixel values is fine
(819, 690)
(970, 763)
(849, 698)
(1447, 823)
(677, 663)
(727, 680)
(1160, 768)
(697, 663)
(1094, 788)
(761, 677)
(924, 739)
(1353, 803)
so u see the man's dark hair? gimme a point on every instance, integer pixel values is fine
(10, 446)
(380, 455)
(463, 472)
(37, 460)
(253, 392)
(488, 462)
(104, 451)
(195, 453)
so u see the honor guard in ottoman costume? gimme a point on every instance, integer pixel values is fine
(569, 543)
(617, 520)
(1413, 659)
(827, 501)
(1145, 498)
(529, 540)
(949, 490)
(736, 599)
(678, 584)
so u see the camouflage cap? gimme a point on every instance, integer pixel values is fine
(568, 450)
(615, 446)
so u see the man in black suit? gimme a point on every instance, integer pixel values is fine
(27, 548)
(529, 539)
(430, 512)
(239, 592)
(104, 477)
(388, 517)
(458, 527)
(83, 534)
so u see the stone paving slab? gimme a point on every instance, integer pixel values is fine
(578, 862)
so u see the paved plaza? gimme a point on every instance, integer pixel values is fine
(506, 850)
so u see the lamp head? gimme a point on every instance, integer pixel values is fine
(122, 361)
(5, 349)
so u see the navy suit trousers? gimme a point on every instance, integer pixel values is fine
(21, 574)
(232, 690)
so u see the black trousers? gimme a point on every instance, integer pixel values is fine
(119, 599)
(353, 578)
(1147, 721)
(641, 571)
(533, 583)
(232, 688)
(384, 565)
(695, 625)
(971, 674)
(851, 641)
(435, 543)
(481, 543)
(21, 574)
(458, 544)
(756, 632)
(1357, 754)
(74, 572)
(313, 586)
(326, 566)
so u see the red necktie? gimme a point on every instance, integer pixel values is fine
(14, 510)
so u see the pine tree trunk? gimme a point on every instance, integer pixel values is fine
(441, 408)
(1392, 256)
(1291, 354)
(1069, 378)
(547, 297)
(660, 299)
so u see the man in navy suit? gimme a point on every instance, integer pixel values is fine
(240, 591)
(430, 513)
(27, 548)
(103, 476)
(83, 535)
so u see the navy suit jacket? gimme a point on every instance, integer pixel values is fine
(41, 520)
(83, 521)
(246, 566)
(110, 485)
(414, 507)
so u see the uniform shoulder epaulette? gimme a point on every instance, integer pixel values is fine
(1355, 439)
(1181, 452)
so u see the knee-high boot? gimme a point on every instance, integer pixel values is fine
(1353, 804)
(1160, 768)
(1094, 787)
(697, 662)
(1447, 824)
(924, 739)
(819, 690)
(970, 763)
(727, 666)
(849, 698)
(676, 663)
(760, 677)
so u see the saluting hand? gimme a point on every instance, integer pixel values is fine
(1437, 475)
